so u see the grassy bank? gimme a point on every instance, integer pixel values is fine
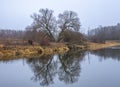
(95, 46)
(15, 52)
(31, 51)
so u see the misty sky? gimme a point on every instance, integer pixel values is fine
(15, 14)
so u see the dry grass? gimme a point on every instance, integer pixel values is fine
(1, 45)
(20, 51)
(30, 51)
(95, 46)
(33, 51)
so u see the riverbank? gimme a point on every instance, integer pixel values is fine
(31, 51)
(96, 46)
(15, 52)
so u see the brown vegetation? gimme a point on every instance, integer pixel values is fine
(95, 46)
(73, 37)
(31, 51)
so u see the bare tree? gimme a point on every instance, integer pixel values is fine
(68, 21)
(45, 22)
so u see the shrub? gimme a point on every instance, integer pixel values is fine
(44, 42)
(73, 37)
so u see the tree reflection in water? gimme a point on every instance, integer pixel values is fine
(44, 69)
(107, 53)
(69, 71)
(66, 66)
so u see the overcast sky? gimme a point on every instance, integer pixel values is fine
(15, 14)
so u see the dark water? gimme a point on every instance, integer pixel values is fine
(100, 68)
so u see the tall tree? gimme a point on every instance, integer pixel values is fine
(45, 22)
(68, 20)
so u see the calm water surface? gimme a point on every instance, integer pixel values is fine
(100, 68)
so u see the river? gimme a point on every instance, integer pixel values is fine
(100, 68)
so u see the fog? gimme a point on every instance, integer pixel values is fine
(15, 14)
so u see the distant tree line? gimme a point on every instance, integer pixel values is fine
(101, 34)
(11, 37)
(11, 34)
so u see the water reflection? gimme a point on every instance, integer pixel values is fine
(107, 53)
(66, 66)
(69, 70)
(44, 69)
